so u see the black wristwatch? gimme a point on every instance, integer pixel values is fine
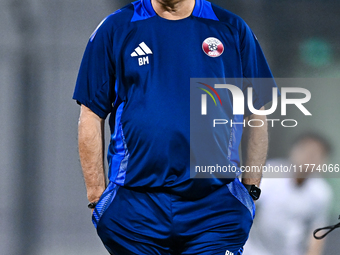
(92, 205)
(253, 190)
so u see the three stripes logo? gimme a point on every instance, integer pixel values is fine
(141, 51)
(204, 97)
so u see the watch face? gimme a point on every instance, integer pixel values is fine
(255, 192)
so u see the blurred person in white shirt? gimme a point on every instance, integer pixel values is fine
(291, 208)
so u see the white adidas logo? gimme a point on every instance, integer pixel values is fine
(142, 50)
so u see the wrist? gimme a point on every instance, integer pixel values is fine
(94, 194)
(251, 180)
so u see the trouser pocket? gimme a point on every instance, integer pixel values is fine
(104, 202)
(237, 189)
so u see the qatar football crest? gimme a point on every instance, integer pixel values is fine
(213, 47)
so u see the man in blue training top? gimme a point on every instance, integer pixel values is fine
(137, 68)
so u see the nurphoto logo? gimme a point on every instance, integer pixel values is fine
(238, 100)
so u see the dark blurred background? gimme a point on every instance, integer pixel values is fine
(43, 200)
